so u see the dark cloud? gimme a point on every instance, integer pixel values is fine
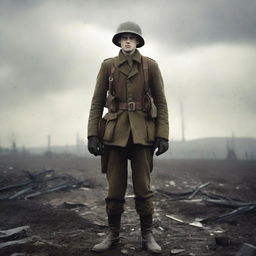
(49, 48)
(178, 22)
(182, 23)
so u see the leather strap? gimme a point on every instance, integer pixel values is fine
(130, 106)
(145, 72)
(111, 88)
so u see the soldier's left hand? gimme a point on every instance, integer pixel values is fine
(161, 145)
(95, 146)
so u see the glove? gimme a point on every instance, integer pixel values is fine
(161, 144)
(95, 147)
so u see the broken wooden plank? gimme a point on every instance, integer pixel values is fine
(219, 196)
(21, 192)
(194, 223)
(14, 231)
(15, 185)
(198, 189)
(229, 203)
(16, 242)
(173, 196)
(234, 213)
(53, 189)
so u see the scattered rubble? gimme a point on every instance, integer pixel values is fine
(221, 200)
(189, 215)
(42, 183)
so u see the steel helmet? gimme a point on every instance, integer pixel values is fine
(128, 27)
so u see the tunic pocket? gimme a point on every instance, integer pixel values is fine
(111, 119)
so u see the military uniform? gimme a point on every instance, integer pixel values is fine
(129, 125)
(129, 130)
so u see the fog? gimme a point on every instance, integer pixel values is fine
(51, 51)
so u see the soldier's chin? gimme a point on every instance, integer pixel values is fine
(128, 50)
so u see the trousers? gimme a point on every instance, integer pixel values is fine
(141, 158)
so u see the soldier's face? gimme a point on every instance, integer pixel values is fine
(128, 42)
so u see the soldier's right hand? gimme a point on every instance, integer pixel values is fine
(95, 147)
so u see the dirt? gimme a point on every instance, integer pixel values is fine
(57, 228)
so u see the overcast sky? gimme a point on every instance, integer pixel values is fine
(51, 51)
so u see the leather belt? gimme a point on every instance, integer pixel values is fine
(130, 106)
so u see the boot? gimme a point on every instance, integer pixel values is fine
(112, 238)
(148, 240)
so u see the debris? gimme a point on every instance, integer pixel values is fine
(49, 190)
(218, 196)
(15, 242)
(21, 192)
(182, 195)
(198, 189)
(174, 218)
(199, 200)
(177, 251)
(15, 186)
(70, 205)
(10, 233)
(230, 203)
(247, 250)
(194, 223)
(234, 213)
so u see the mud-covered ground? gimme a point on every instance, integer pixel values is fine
(57, 227)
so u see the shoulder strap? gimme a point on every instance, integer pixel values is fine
(145, 72)
(111, 76)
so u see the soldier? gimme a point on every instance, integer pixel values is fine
(131, 87)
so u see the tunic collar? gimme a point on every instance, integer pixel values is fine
(136, 56)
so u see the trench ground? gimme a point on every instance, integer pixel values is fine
(57, 230)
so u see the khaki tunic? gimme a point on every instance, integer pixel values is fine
(129, 87)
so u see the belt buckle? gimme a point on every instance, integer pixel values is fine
(131, 106)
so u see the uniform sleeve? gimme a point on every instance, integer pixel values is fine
(157, 90)
(98, 100)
